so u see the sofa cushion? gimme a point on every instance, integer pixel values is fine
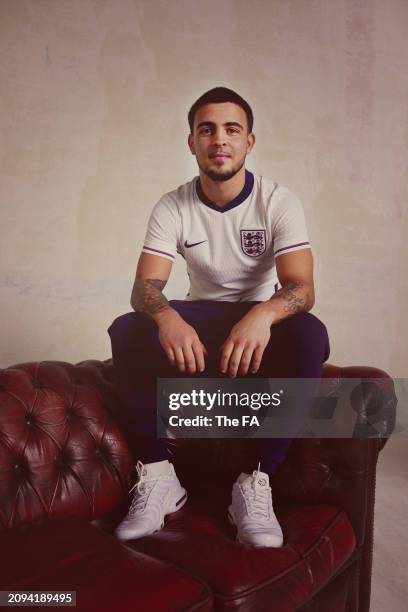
(71, 554)
(318, 541)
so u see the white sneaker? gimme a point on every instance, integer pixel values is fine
(252, 513)
(158, 493)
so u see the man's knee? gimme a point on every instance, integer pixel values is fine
(135, 339)
(306, 329)
(308, 324)
(131, 324)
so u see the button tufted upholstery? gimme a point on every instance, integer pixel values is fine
(65, 469)
(58, 445)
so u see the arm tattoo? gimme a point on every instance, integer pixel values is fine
(295, 302)
(147, 296)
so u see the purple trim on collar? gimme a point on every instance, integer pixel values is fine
(249, 183)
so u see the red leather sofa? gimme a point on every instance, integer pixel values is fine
(65, 475)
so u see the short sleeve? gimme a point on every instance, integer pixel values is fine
(289, 230)
(163, 229)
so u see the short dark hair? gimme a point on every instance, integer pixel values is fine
(218, 95)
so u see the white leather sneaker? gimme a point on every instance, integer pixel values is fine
(158, 492)
(252, 513)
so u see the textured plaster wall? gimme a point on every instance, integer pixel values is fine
(94, 97)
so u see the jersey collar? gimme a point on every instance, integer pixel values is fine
(249, 183)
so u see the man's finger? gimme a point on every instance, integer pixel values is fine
(178, 353)
(198, 350)
(256, 359)
(189, 359)
(227, 349)
(235, 360)
(170, 355)
(246, 360)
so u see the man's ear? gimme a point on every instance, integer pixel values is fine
(191, 144)
(250, 142)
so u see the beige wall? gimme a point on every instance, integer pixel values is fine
(94, 97)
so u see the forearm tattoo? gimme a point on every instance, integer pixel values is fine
(296, 297)
(147, 296)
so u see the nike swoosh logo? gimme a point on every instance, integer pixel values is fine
(188, 246)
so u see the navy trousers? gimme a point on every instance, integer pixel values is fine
(298, 347)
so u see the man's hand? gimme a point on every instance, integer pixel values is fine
(180, 342)
(244, 347)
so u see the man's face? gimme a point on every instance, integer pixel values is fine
(220, 140)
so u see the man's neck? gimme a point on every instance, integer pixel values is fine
(222, 192)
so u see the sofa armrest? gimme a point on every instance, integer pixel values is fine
(373, 399)
(61, 452)
(341, 471)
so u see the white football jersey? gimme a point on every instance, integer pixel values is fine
(230, 252)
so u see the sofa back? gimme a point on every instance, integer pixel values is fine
(61, 452)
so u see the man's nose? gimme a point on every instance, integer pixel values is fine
(219, 136)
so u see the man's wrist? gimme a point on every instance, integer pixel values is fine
(267, 311)
(164, 314)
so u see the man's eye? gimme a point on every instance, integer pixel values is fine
(234, 131)
(205, 130)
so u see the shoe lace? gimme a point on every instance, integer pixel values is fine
(143, 487)
(257, 497)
